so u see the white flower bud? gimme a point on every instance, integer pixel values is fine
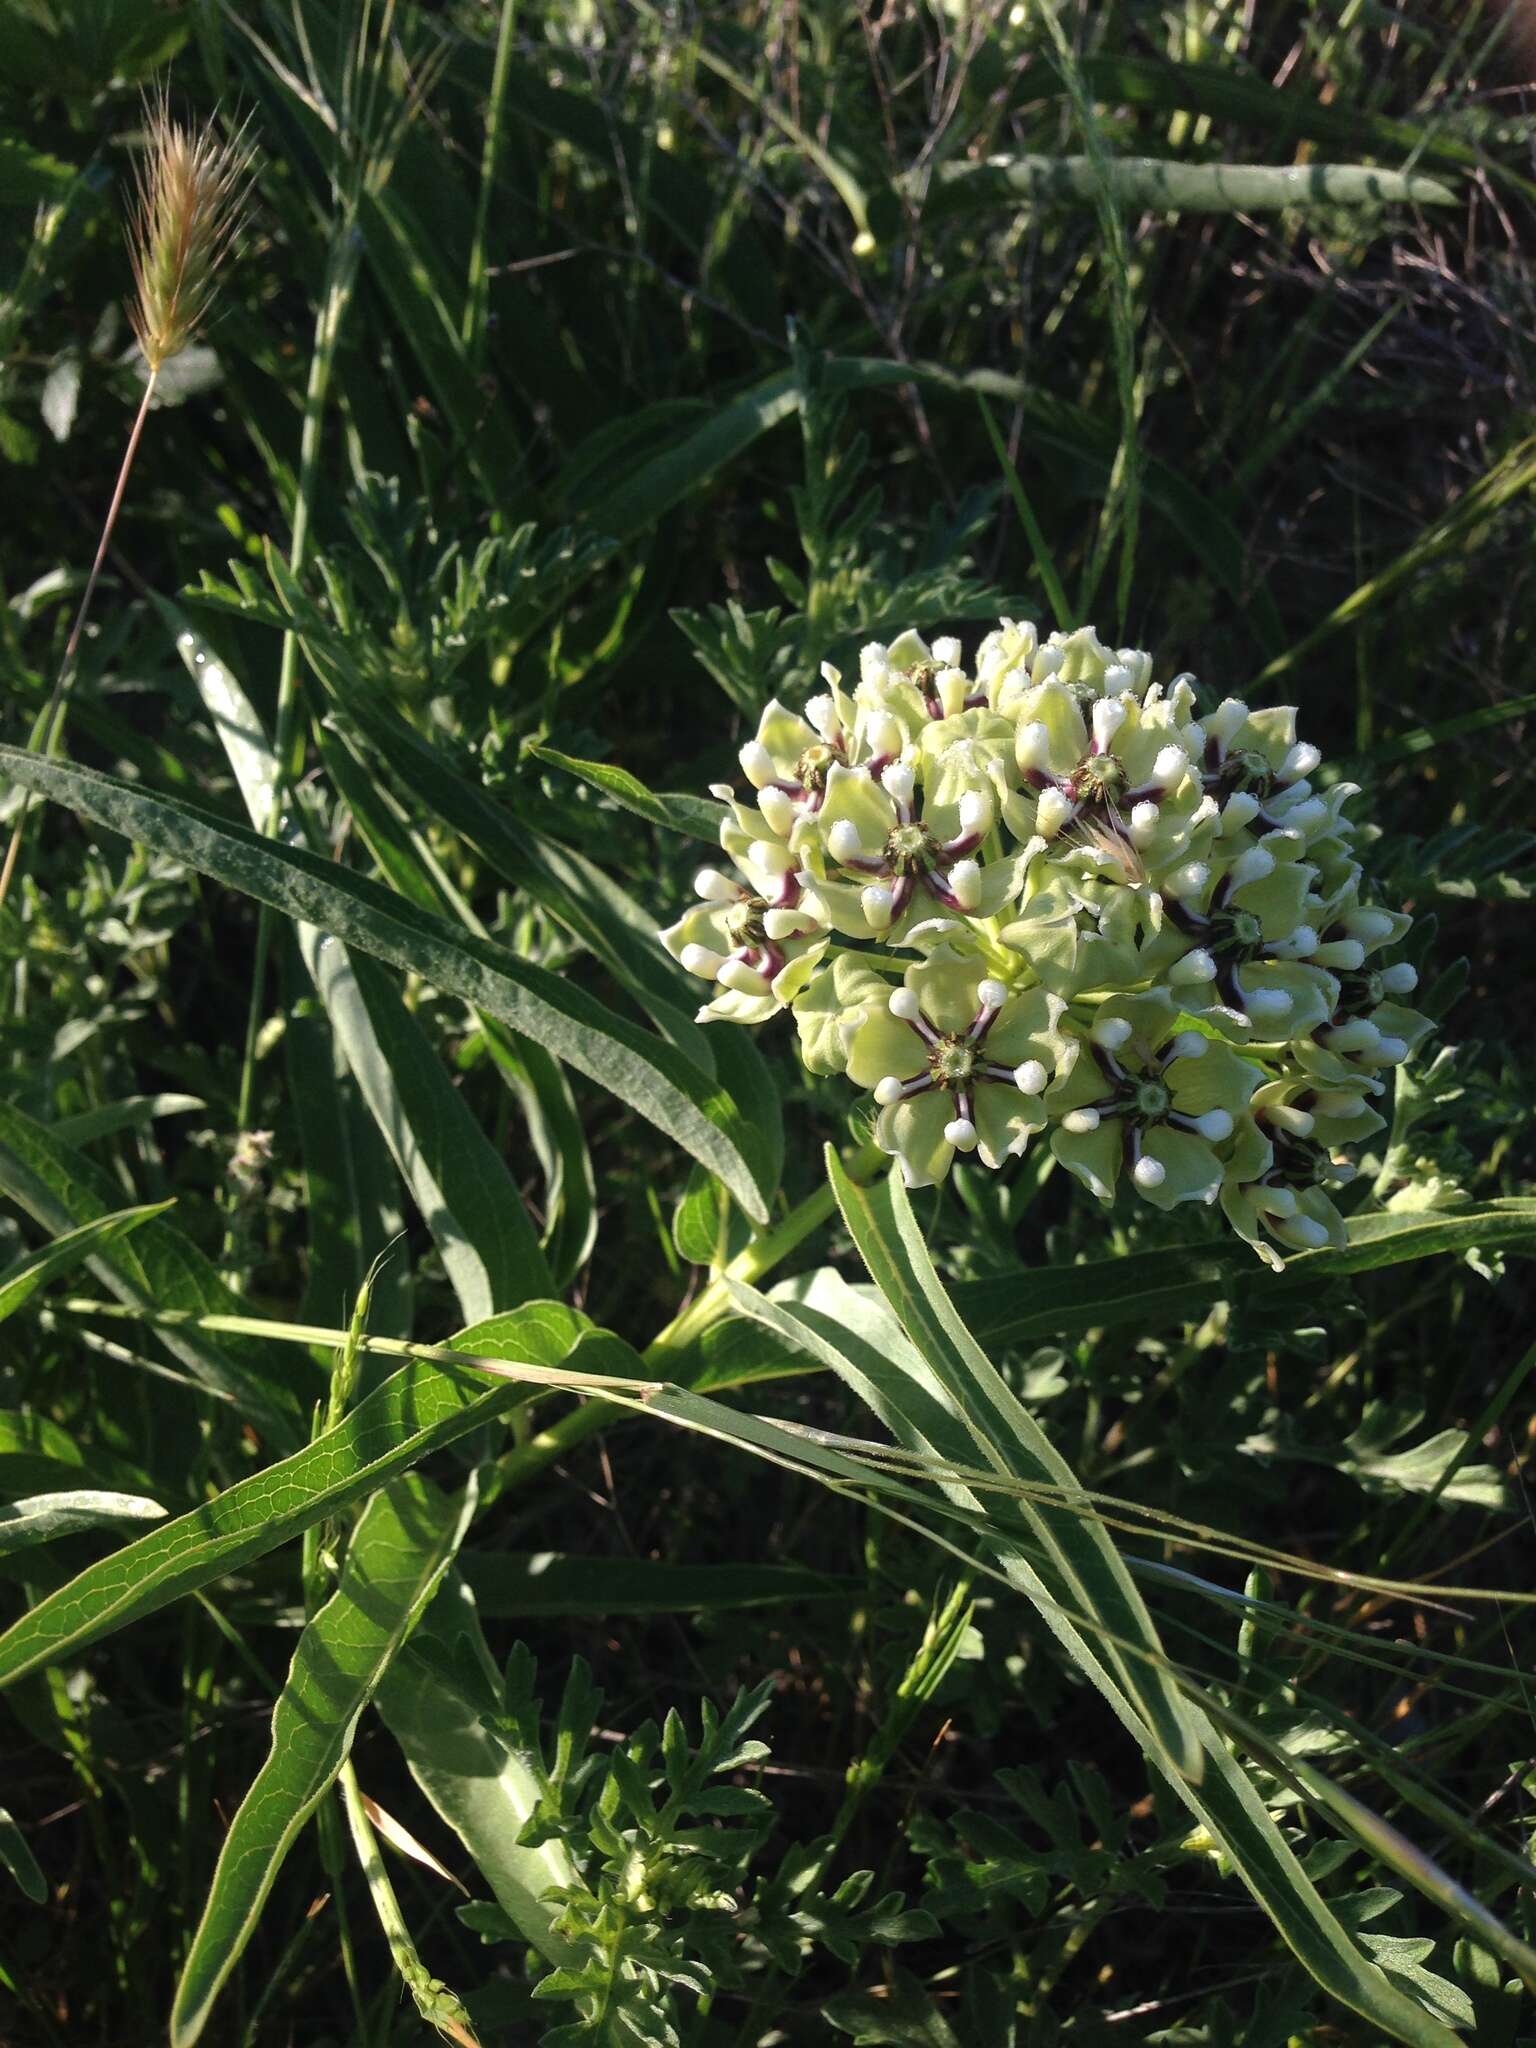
(903, 1003)
(1300, 945)
(1371, 927)
(700, 960)
(757, 763)
(1149, 1173)
(951, 686)
(1080, 1122)
(1188, 880)
(1215, 1124)
(1276, 1201)
(715, 887)
(1392, 1050)
(946, 651)
(965, 884)
(1030, 1078)
(1111, 1032)
(742, 979)
(1188, 1045)
(975, 813)
(1227, 720)
(885, 734)
(1267, 1002)
(899, 783)
(961, 1134)
(1108, 717)
(1301, 760)
(1400, 979)
(1117, 677)
(1299, 1122)
(1144, 817)
(991, 994)
(830, 675)
(843, 841)
(1240, 809)
(1305, 817)
(1308, 1231)
(1346, 953)
(878, 905)
(821, 713)
(1359, 1034)
(1252, 866)
(889, 1090)
(1170, 766)
(787, 924)
(778, 809)
(1052, 812)
(1195, 966)
(772, 858)
(1193, 737)
(1032, 746)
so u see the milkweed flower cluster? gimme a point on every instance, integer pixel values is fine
(1047, 897)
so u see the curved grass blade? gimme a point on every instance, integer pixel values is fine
(652, 1077)
(398, 1553)
(20, 1862)
(21, 1280)
(417, 1410)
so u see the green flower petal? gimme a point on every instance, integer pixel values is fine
(1191, 1170)
(1094, 1156)
(1220, 1079)
(855, 795)
(913, 1132)
(1005, 1121)
(883, 1045)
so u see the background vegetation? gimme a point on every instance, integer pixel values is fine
(588, 372)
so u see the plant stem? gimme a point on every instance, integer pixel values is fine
(765, 1251)
(340, 275)
(50, 727)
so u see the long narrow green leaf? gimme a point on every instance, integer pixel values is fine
(40, 1517)
(417, 1410)
(395, 1560)
(19, 1860)
(641, 1070)
(1161, 185)
(544, 1582)
(21, 1280)
(1181, 1281)
(696, 817)
(910, 1394)
(440, 1703)
(460, 1184)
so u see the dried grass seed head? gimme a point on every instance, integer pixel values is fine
(188, 205)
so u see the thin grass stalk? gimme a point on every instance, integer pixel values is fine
(49, 730)
(473, 329)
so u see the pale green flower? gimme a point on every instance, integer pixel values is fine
(958, 1062)
(1044, 827)
(1159, 1102)
(754, 935)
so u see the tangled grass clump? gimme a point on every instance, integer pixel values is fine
(1142, 930)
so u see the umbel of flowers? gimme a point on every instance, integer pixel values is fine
(1047, 898)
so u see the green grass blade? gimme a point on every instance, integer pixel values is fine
(507, 1583)
(416, 1411)
(1089, 1575)
(398, 1553)
(664, 1087)
(21, 1280)
(19, 1860)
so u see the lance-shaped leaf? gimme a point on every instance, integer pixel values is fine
(417, 1410)
(21, 1280)
(398, 1553)
(1162, 185)
(653, 1078)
